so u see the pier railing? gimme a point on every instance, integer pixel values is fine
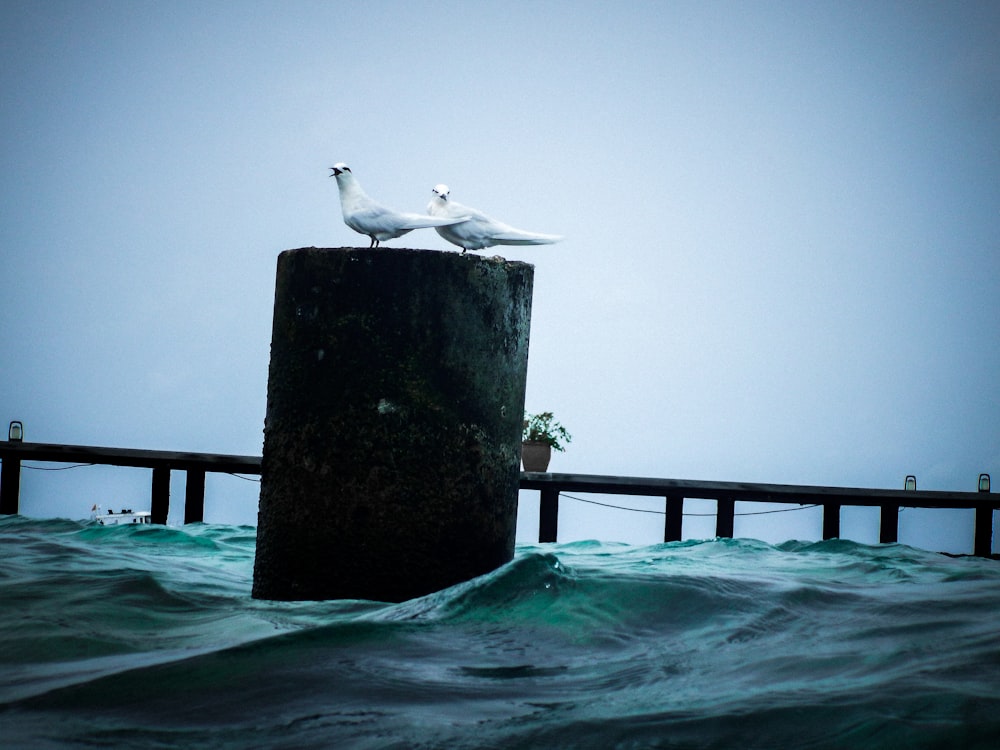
(161, 462)
(673, 491)
(726, 494)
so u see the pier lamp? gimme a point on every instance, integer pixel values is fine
(15, 434)
(911, 483)
(984, 482)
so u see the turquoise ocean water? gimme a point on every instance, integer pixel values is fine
(147, 637)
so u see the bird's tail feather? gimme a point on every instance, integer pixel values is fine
(525, 238)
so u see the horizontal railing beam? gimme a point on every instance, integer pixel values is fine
(151, 459)
(676, 490)
(754, 492)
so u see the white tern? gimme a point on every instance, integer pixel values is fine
(479, 230)
(364, 215)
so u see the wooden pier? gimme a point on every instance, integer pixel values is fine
(161, 462)
(726, 494)
(673, 491)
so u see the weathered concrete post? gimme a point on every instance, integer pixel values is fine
(394, 406)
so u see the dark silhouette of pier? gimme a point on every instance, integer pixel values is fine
(674, 491)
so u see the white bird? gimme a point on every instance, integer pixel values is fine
(364, 215)
(479, 230)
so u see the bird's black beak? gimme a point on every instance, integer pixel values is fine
(336, 171)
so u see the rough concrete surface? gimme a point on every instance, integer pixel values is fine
(393, 427)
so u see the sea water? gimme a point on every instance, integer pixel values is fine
(147, 636)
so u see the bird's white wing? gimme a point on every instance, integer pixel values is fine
(479, 230)
(375, 218)
(421, 221)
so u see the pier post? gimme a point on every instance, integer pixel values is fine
(548, 516)
(159, 506)
(888, 527)
(831, 520)
(10, 485)
(194, 496)
(982, 544)
(393, 428)
(725, 519)
(674, 518)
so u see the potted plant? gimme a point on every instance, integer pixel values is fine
(540, 434)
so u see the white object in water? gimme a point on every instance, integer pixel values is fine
(125, 516)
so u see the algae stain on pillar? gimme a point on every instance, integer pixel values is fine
(393, 427)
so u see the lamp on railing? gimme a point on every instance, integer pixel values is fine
(984, 482)
(911, 483)
(15, 433)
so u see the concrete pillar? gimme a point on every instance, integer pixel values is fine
(393, 428)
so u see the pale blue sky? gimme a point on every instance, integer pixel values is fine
(782, 224)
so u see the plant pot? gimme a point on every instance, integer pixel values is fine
(536, 456)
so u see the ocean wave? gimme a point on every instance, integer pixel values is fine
(129, 637)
